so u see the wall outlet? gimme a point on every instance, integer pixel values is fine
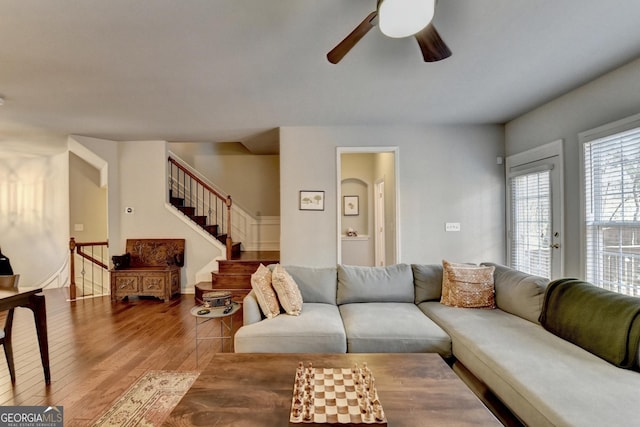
(78, 227)
(452, 226)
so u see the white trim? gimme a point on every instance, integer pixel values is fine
(525, 170)
(609, 129)
(519, 161)
(550, 149)
(396, 166)
(590, 135)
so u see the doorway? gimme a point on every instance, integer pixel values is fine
(534, 211)
(367, 192)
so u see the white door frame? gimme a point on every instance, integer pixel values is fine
(396, 169)
(379, 224)
(546, 151)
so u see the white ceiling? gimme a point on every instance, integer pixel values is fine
(222, 70)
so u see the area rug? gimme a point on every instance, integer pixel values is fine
(149, 401)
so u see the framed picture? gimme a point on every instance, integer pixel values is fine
(350, 206)
(311, 200)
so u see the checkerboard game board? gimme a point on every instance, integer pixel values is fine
(338, 396)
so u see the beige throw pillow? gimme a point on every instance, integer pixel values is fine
(468, 286)
(287, 290)
(266, 295)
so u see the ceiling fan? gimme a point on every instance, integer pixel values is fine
(399, 18)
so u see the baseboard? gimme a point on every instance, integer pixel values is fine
(490, 400)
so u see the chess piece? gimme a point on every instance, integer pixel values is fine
(369, 413)
(307, 410)
(379, 413)
(297, 408)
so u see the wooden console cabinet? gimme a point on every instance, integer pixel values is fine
(153, 271)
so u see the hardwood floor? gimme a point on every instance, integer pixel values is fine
(98, 349)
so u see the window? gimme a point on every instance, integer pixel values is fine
(531, 233)
(612, 206)
(534, 210)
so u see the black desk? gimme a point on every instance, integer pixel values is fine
(33, 300)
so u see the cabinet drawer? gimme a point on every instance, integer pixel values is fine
(126, 283)
(154, 283)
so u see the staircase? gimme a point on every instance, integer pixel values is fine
(235, 275)
(211, 211)
(202, 204)
(201, 220)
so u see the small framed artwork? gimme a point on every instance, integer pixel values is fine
(350, 206)
(311, 200)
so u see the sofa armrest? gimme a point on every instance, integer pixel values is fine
(251, 312)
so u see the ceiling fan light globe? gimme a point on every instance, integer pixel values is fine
(404, 18)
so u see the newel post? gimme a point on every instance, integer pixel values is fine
(72, 268)
(229, 242)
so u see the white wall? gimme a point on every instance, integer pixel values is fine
(104, 156)
(143, 178)
(137, 178)
(446, 173)
(34, 216)
(611, 97)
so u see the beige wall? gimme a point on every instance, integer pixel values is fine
(446, 173)
(252, 180)
(612, 97)
(87, 202)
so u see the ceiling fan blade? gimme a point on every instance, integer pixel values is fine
(338, 52)
(432, 47)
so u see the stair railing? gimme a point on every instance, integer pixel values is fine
(94, 261)
(205, 199)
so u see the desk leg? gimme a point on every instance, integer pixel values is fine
(39, 309)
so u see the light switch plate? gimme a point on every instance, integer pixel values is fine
(452, 226)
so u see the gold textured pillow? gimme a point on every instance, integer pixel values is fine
(287, 290)
(261, 285)
(468, 286)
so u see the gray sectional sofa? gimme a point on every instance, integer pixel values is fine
(543, 379)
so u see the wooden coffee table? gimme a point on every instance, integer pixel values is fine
(256, 390)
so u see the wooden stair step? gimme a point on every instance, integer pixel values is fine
(242, 266)
(199, 219)
(187, 210)
(231, 280)
(212, 229)
(176, 201)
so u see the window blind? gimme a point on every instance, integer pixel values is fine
(612, 211)
(531, 222)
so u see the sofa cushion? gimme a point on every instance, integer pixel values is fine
(469, 286)
(427, 279)
(389, 327)
(287, 290)
(543, 379)
(265, 294)
(604, 322)
(518, 293)
(318, 329)
(316, 284)
(375, 284)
